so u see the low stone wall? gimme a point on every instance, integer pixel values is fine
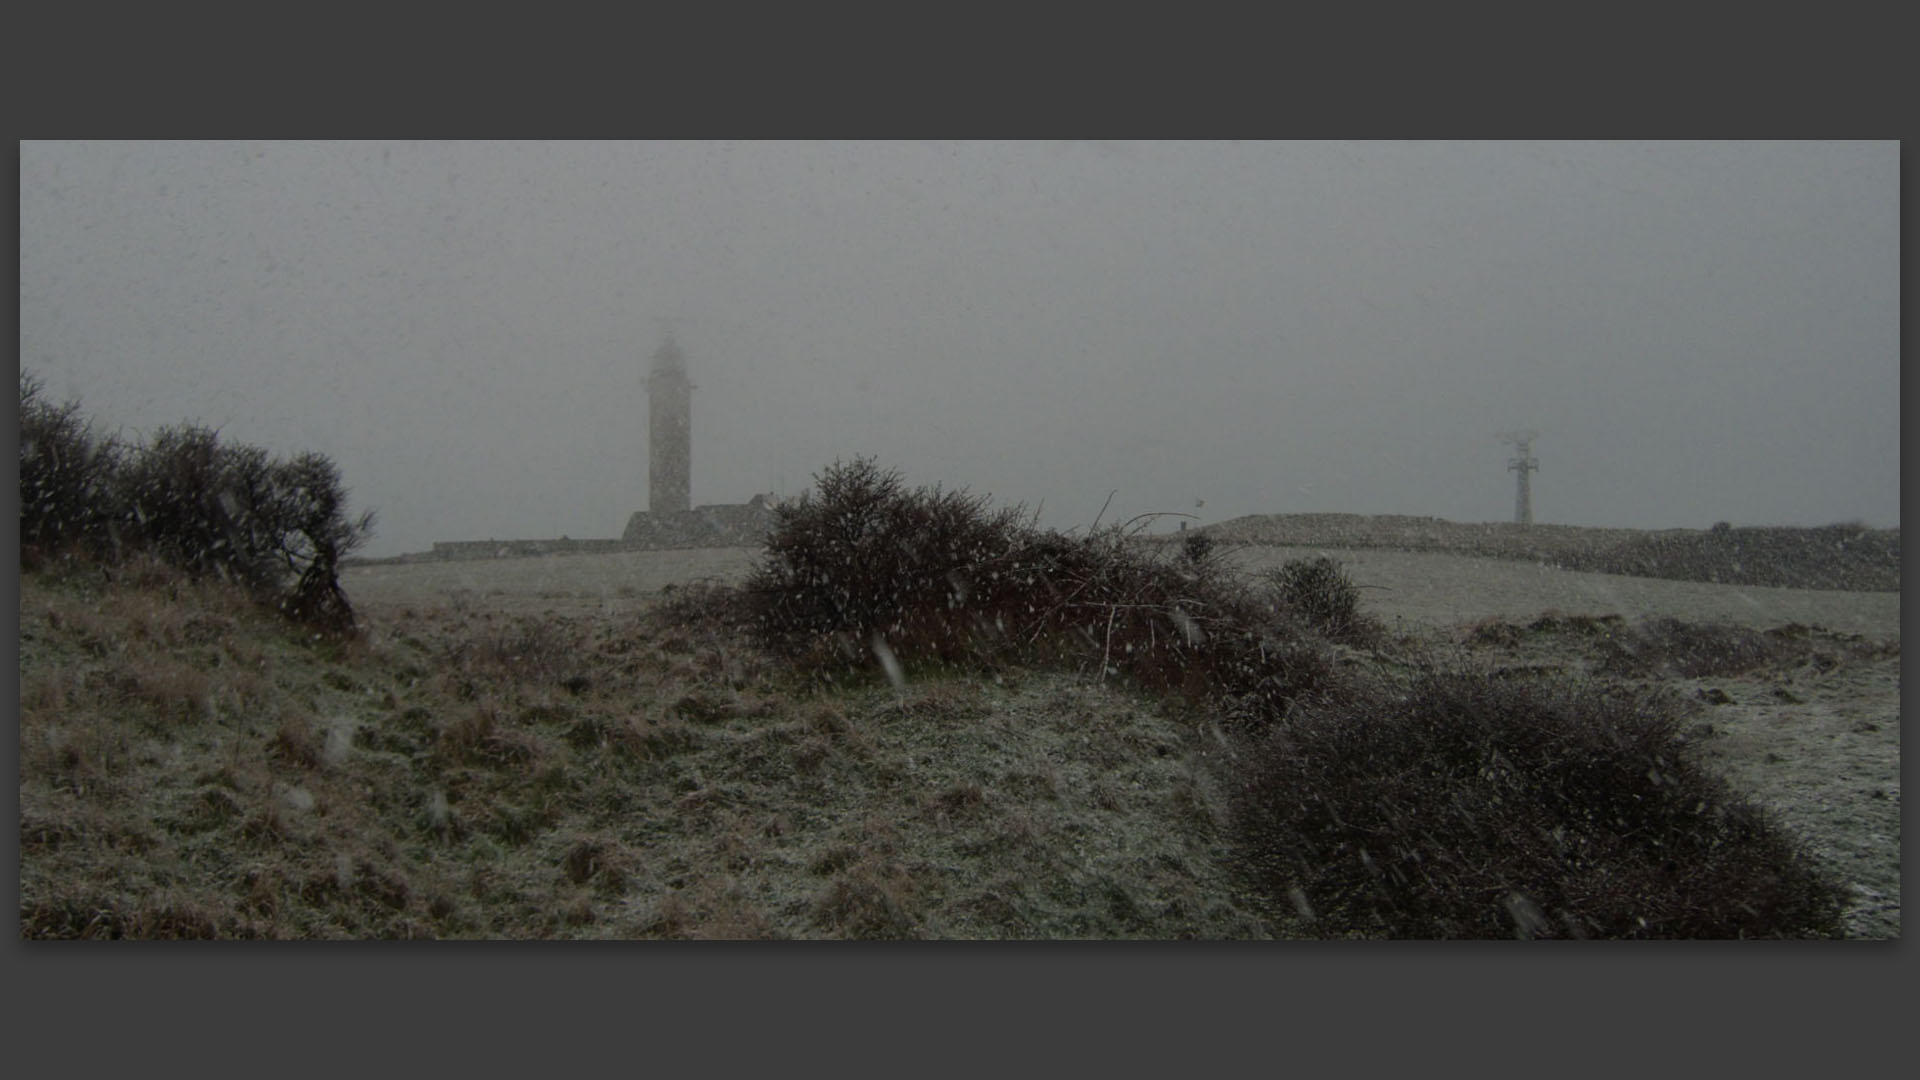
(726, 525)
(1405, 532)
(507, 549)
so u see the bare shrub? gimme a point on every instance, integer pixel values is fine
(869, 575)
(211, 508)
(867, 556)
(67, 476)
(1318, 591)
(1198, 547)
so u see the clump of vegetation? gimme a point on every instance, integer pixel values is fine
(865, 556)
(214, 509)
(868, 574)
(1689, 650)
(68, 477)
(1589, 626)
(1481, 807)
(1496, 631)
(1199, 547)
(1319, 591)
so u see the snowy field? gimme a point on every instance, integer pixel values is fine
(1429, 589)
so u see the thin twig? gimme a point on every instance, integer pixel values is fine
(1152, 514)
(1103, 511)
(1111, 612)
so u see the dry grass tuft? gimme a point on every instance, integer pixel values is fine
(297, 742)
(598, 860)
(870, 899)
(1689, 650)
(174, 691)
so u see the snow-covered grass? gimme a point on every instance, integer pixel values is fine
(194, 767)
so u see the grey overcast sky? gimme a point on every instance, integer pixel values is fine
(1698, 331)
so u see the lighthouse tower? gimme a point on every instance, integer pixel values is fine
(669, 431)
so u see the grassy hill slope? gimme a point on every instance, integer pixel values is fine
(192, 766)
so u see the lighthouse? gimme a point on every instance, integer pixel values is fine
(669, 432)
(670, 519)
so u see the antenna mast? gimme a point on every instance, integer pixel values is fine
(1522, 463)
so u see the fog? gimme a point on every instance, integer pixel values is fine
(1698, 332)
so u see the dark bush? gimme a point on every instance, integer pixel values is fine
(1318, 591)
(1480, 807)
(279, 528)
(863, 556)
(306, 529)
(67, 478)
(180, 506)
(1199, 547)
(868, 573)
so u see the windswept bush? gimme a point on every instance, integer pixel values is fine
(277, 527)
(870, 573)
(867, 556)
(1484, 808)
(1318, 590)
(67, 478)
(1199, 547)
(183, 495)
(306, 528)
